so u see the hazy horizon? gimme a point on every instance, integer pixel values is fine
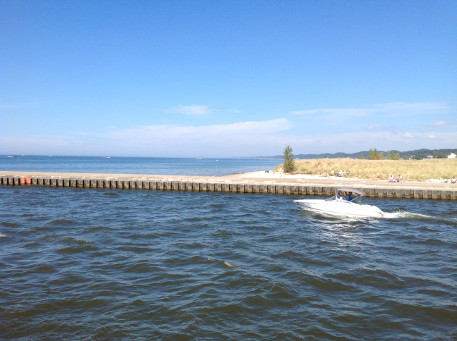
(276, 156)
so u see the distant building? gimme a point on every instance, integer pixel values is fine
(451, 156)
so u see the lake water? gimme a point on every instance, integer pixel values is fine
(136, 165)
(100, 264)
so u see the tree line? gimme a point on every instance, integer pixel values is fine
(373, 154)
(417, 154)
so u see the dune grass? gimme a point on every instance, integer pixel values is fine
(378, 169)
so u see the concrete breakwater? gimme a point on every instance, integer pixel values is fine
(224, 184)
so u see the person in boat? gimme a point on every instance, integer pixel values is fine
(349, 195)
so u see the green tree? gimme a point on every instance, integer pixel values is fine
(392, 156)
(362, 157)
(373, 154)
(439, 155)
(289, 164)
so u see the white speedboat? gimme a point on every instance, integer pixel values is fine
(346, 203)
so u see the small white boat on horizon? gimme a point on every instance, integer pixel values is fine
(345, 203)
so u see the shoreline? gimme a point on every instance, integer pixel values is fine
(336, 181)
(257, 177)
(251, 182)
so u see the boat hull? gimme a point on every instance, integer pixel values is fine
(340, 208)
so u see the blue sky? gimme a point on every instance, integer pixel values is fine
(226, 78)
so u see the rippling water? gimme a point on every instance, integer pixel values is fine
(111, 264)
(135, 165)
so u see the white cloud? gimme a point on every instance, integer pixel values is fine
(394, 108)
(235, 139)
(401, 106)
(440, 123)
(373, 126)
(248, 138)
(382, 140)
(192, 110)
(333, 111)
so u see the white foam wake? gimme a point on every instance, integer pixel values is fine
(404, 214)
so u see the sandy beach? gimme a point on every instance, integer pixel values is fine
(254, 178)
(303, 179)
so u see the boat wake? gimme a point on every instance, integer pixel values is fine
(399, 214)
(405, 215)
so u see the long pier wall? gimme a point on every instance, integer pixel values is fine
(215, 185)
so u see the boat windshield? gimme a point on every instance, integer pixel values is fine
(349, 194)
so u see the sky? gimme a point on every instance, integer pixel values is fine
(226, 78)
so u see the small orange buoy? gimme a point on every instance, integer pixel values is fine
(26, 180)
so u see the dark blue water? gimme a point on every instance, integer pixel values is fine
(83, 264)
(136, 165)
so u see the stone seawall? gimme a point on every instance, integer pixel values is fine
(218, 184)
